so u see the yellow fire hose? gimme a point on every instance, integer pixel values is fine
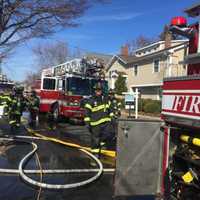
(189, 176)
(104, 152)
(189, 139)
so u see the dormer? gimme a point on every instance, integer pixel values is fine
(148, 49)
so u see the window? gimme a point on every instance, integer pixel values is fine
(78, 86)
(60, 84)
(135, 70)
(103, 83)
(49, 84)
(156, 65)
(64, 84)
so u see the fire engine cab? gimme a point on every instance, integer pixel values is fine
(181, 114)
(63, 87)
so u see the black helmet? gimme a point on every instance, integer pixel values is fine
(111, 91)
(98, 86)
(20, 89)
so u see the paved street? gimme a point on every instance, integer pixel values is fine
(53, 156)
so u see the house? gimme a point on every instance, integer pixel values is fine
(148, 66)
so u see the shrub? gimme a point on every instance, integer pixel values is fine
(120, 85)
(142, 103)
(152, 106)
(147, 105)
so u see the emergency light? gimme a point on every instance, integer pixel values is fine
(179, 21)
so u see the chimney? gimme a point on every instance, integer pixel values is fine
(124, 51)
(168, 39)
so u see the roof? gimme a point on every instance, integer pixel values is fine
(193, 11)
(158, 43)
(126, 60)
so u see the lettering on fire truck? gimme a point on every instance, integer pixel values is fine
(180, 104)
(189, 104)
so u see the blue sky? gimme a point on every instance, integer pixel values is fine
(103, 29)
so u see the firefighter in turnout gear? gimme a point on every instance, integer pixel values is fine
(34, 103)
(5, 101)
(15, 108)
(98, 119)
(52, 118)
(115, 107)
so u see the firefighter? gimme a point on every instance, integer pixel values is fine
(34, 103)
(5, 102)
(115, 105)
(15, 108)
(51, 119)
(98, 119)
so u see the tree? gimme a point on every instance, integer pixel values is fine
(142, 41)
(48, 55)
(21, 20)
(51, 54)
(120, 85)
(31, 77)
(139, 42)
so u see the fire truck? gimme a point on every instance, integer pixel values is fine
(64, 87)
(160, 159)
(181, 114)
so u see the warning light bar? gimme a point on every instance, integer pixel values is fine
(179, 21)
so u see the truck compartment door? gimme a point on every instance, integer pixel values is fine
(139, 159)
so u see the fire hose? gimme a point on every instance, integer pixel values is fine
(189, 139)
(28, 156)
(52, 139)
(183, 170)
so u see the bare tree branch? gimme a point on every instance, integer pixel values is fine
(37, 18)
(51, 54)
(139, 42)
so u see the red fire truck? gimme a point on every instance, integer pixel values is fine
(63, 87)
(181, 113)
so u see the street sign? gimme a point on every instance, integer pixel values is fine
(129, 99)
(131, 102)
